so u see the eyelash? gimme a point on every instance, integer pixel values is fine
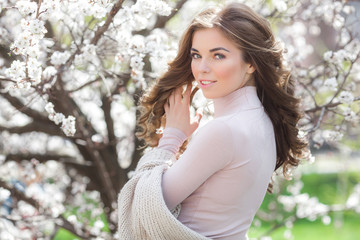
(217, 56)
(194, 55)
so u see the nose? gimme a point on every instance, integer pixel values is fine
(204, 66)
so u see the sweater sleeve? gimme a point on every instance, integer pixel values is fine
(171, 140)
(210, 150)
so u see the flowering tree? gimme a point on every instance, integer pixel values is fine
(71, 73)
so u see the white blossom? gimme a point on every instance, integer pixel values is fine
(137, 62)
(58, 118)
(331, 83)
(347, 9)
(138, 44)
(4, 194)
(156, 6)
(350, 115)
(36, 27)
(326, 220)
(68, 126)
(354, 198)
(338, 22)
(21, 44)
(17, 70)
(332, 136)
(280, 5)
(34, 70)
(328, 55)
(315, 30)
(49, 72)
(26, 7)
(346, 97)
(50, 108)
(58, 58)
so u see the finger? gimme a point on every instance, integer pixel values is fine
(187, 93)
(196, 121)
(198, 115)
(166, 107)
(172, 98)
(178, 94)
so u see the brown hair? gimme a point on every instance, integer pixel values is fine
(275, 87)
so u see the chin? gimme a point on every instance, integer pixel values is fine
(210, 95)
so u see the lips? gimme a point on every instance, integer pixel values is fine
(206, 83)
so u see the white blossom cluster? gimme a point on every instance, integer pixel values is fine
(303, 205)
(354, 199)
(68, 124)
(133, 48)
(45, 183)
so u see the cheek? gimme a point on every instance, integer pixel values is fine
(194, 69)
(226, 71)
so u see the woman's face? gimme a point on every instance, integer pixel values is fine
(217, 64)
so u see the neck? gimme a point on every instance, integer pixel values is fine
(242, 99)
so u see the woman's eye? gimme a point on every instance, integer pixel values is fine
(195, 56)
(219, 56)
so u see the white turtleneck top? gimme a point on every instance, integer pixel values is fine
(222, 177)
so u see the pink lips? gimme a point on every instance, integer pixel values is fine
(206, 83)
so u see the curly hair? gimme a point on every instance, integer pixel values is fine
(252, 34)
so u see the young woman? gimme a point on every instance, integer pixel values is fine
(212, 187)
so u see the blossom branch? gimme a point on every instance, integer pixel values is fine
(117, 6)
(328, 105)
(17, 104)
(318, 121)
(345, 78)
(162, 20)
(106, 107)
(84, 85)
(38, 9)
(20, 195)
(294, 217)
(35, 126)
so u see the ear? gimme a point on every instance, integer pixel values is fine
(250, 69)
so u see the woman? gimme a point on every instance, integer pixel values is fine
(219, 180)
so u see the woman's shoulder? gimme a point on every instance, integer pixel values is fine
(216, 128)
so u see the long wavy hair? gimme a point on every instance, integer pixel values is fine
(252, 34)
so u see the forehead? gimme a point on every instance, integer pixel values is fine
(211, 38)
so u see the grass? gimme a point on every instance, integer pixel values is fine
(346, 229)
(330, 188)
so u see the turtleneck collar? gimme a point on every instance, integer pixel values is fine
(242, 99)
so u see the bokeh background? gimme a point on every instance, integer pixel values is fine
(72, 73)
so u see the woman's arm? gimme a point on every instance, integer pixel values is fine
(209, 151)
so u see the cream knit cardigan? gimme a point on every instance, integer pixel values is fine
(143, 214)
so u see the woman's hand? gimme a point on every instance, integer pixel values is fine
(177, 111)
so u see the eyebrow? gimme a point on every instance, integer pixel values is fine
(212, 50)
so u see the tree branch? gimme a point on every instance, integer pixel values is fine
(85, 169)
(329, 105)
(68, 226)
(162, 20)
(20, 195)
(106, 107)
(109, 19)
(16, 103)
(84, 85)
(35, 126)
